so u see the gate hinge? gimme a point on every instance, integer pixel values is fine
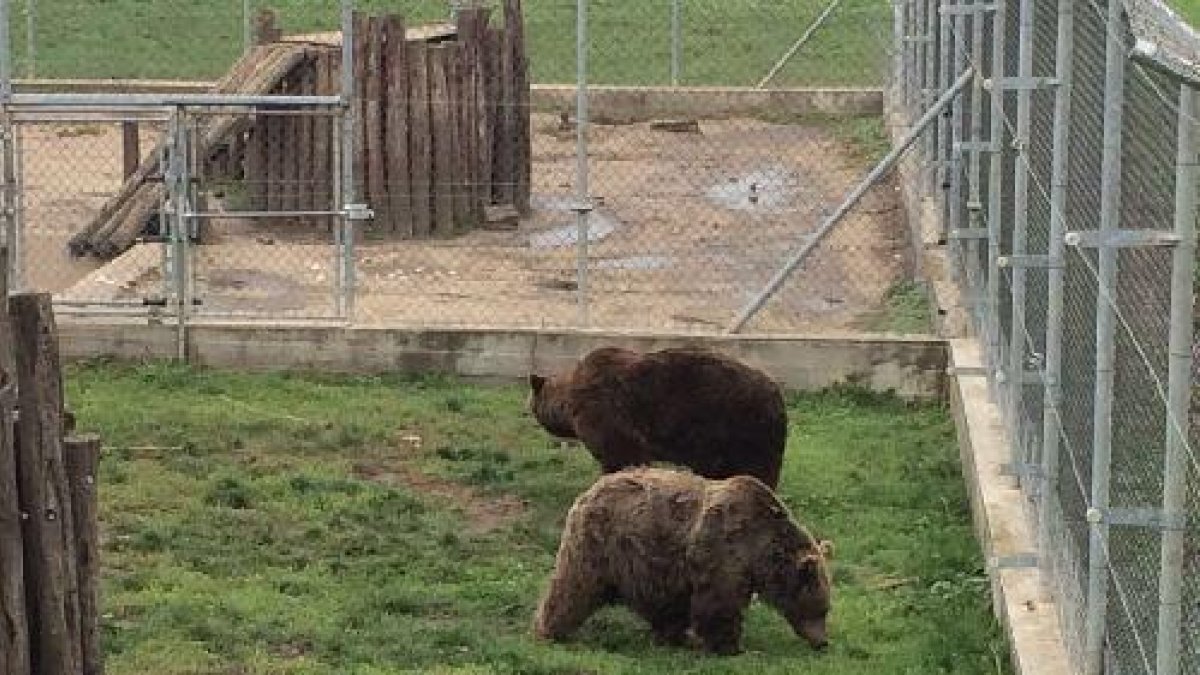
(358, 212)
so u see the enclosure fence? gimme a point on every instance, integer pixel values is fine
(1066, 177)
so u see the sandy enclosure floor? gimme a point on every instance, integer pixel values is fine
(688, 227)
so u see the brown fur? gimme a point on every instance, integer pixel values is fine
(685, 553)
(691, 407)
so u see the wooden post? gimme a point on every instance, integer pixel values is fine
(256, 164)
(323, 198)
(130, 146)
(491, 94)
(506, 128)
(361, 47)
(397, 126)
(306, 159)
(265, 31)
(459, 181)
(421, 139)
(376, 74)
(522, 160)
(50, 571)
(83, 462)
(274, 153)
(14, 631)
(441, 133)
(472, 26)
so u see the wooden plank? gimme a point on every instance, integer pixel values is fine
(273, 183)
(256, 165)
(361, 45)
(441, 134)
(82, 457)
(322, 135)
(490, 60)
(514, 24)
(305, 127)
(420, 139)
(14, 631)
(472, 28)
(376, 146)
(287, 151)
(42, 485)
(397, 126)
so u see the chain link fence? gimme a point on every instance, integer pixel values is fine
(1070, 207)
(594, 163)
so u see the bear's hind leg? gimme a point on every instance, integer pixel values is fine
(669, 625)
(572, 597)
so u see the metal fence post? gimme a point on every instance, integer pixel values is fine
(1060, 163)
(975, 280)
(1020, 221)
(953, 179)
(947, 59)
(350, 205)
(995, 188)
(1110, 217)
(676, 41)
(1175, 464)
(31, 20)
(583, 206)
(929, 86)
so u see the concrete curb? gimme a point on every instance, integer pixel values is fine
(1001, 521)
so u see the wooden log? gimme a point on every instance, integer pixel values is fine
(522, 160)
(131, 153)
(506, 124)
(265, 30)
(489, 91)
(398, 125)
(472, 30)
(82, 456)
(460, 181)
(322, 136)
(376, 141)
(275, 159)
(14, 630)
(441, 133)
(361, 46)
(420, 176)
(50, 570)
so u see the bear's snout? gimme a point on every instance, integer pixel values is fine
(815, 633)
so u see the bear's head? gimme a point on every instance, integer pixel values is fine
(800, 588)
(550, 405)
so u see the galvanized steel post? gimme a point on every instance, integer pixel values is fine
(1053, 394)
(1179, 389)
(349, 186)
(995, 188)
(583, 205)
(1110, 222)
(976, 277)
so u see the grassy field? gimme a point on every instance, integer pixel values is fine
(288, 524)
(723, 43)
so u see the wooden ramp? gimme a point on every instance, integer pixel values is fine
(124, 216)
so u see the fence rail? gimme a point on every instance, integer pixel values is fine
(1066, 178)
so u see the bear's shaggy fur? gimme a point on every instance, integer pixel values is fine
(690, 407)
(685, 553)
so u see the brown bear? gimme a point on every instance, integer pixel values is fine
(691, 407)
(685, 553)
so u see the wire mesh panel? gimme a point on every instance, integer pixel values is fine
(69, 166)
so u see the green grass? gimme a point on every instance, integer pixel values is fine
(240, 536)
(906, 310)
(728, 43)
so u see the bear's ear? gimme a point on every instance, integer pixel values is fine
(536, 382)
(826, 548)
(809, 566)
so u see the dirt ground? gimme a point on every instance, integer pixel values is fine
(688, 227)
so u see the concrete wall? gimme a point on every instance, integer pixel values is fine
(913, 367)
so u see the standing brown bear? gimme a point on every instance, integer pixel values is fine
(685, 553)
(692, 407)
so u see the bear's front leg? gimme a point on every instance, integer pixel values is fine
(717, 622)
(669, 625)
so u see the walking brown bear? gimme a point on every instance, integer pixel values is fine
(690, 407)
(686, 554)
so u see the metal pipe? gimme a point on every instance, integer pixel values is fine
(995, 188)
(851, 200)
(1110, 221)
(582, 190)
(169, 100)
(31, 20)
(975, 172)
(896, 85)
(928, 66)
(676, 41)
(931, 87)
(946, 127)
(1175, 464)
(1020, 238)
(1053, 394)
(6, 89)
(808, 33)
(229, 215)
(346, 148)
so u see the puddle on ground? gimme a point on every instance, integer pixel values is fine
(600, 225)
(637, 262)
(766, 189)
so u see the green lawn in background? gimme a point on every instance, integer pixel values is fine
(313, 524)
(728, 43)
